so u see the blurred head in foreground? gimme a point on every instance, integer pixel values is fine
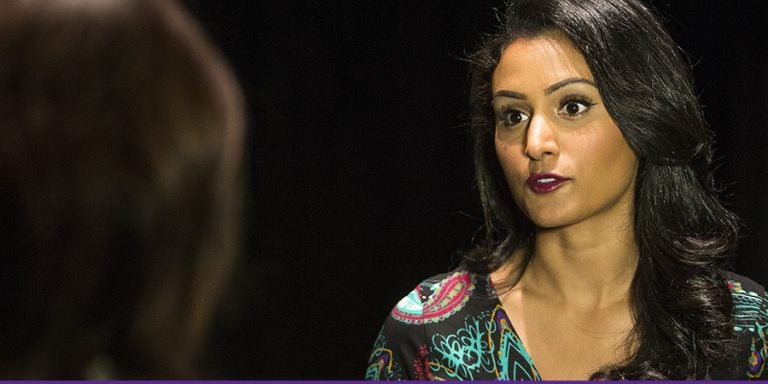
(121, 130)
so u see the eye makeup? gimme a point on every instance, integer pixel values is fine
(572, 106)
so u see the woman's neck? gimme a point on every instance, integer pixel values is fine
(584, 267)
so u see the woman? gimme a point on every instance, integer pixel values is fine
(605, 242)
(121, 134)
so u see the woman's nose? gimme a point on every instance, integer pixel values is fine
(541, 139)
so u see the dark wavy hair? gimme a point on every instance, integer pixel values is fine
(686, 238)
(121, 133)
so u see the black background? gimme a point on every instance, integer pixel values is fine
(359, 167)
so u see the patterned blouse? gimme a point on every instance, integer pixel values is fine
(453, 327)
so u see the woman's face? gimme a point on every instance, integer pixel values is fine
(564, 158)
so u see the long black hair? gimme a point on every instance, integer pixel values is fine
(686, 238)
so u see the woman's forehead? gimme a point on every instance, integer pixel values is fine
(543, 59)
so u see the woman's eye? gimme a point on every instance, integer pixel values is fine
(513, 117)
(574, 108)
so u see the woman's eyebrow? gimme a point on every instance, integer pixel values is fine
(510, 94)
(563, 83)
(552, 88)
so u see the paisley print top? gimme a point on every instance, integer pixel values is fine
(453, 327)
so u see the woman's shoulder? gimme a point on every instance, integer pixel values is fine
(750, 300)
(451, 326)
(750, 320)
(739, 283)
(440, 296)
(750, 303)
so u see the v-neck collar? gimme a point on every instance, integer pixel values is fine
(499, 312)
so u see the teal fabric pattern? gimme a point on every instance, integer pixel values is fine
(751, 316)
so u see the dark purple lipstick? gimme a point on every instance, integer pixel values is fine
(545, 182)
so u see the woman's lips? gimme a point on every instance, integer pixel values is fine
(545, 182)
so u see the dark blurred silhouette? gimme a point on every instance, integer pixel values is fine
(121, 130)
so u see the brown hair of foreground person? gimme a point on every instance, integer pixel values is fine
(121, 130)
